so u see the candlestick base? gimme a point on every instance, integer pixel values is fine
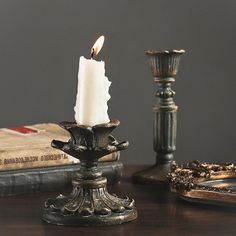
(89, 203)
(156, 174)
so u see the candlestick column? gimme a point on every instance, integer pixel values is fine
(164, 67)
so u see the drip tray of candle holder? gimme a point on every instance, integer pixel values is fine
(205, 183)
(89, 203)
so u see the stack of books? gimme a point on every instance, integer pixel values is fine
(28, 163)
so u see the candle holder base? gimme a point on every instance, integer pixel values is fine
(156, 174)
(89, 206)
(89, 203)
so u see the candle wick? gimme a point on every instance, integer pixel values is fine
(92, 53)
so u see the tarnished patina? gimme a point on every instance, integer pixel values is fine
(164, 66)
(205, 182)
(89, 203)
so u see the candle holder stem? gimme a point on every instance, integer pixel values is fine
(89, 203)
(164, 66)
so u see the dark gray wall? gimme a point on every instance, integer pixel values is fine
(41, 42)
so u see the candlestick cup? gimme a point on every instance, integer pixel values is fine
(89, 203)
(164, 66)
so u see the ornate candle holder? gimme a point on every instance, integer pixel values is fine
(164, 67)
(89, 203)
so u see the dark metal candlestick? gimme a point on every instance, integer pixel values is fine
(164, 67)
(89, 202)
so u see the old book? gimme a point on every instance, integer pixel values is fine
(30, 147)
(16, 182)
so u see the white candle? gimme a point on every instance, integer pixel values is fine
(92, 96)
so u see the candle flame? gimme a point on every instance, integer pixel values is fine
(97, 46)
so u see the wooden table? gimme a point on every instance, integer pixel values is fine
(160, 213)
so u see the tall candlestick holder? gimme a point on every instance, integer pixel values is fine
(89, 203)
(164, 67)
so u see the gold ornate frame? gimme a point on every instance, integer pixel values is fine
(205, 182)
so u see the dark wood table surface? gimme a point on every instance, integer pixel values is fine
(160, 213)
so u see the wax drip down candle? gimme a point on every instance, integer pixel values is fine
(93, 86)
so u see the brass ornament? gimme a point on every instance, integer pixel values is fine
(204, 182)
(164, 67)
(89, 203)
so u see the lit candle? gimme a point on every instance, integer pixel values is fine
(93, 86)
